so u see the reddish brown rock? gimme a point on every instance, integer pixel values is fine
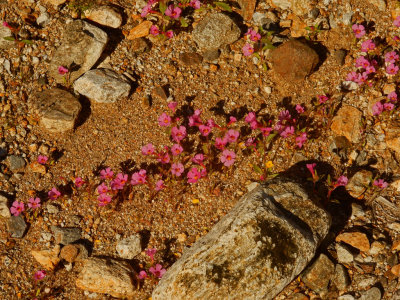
(347, 123)
(396, 270)
(356, 239)
(317, 276)
(393, 137)
(294, 60)
(47, 258)
(69, 253)
(247, 8)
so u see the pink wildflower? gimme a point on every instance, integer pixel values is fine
(250, 142)
(361, 78)
(370, 70)
(119, 181)
(254, 35)
(178, 134)
(352, 76)
(362, 62)
(266, 131)
(322, 98)
(151, 252)
(392, 69)
(142, 275)
(17, 208)
(123, 178)
(139, 177)
(62, 70)
(204, 130)
(145, 10)
(154, 30)
(377, 108)
(198, 158)
(164, 120)
(39, 275)
(301, 139)
(392, 96)
(358, 30)
(220, 143)
(232, 136)
(34, 203)
(148, 149)
(42, 159)
(367, 45)
(195, 4)
(102, 188)
(391, 57)
(163, 158)
(172, 105)
(388, 106)
(396, 22)
(288, 131)
(251, 117)
(160, 185)
(380, 183)
(177, 169)
(284, 115)
(169, 34)
(195, 120)
(299, 108)
(173, 12)
(342, 181)
(106, 173)
(54, 194)
(193, 175)
(311, 168)
(158, 271)
(79, 182)
(5, 24)
(176, 149)
(232, 120)
(228, 157)
(103, 199)
(248, 49)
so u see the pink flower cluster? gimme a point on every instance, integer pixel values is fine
(18, 206)
(253, 36)
(365, 68)
(358, 30)
(381, 106)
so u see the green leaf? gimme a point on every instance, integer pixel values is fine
(271, 136)
(205, 149)
(269, 46)
(265, 67)
(9, 38)
(257, 169)
(163, 7)
(260, 148)
(184, 23)
(223, 6)
(28, 42)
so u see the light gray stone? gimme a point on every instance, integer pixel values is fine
(107, 276)
(17, 226)
(4, 210)
(16, 163)
(66, 235)
(341, 278)
(214, 31)
(81, 47)
(318, 275)
(299, 7)
(254, 251)
(102, 85)
(43, 19)
(359, 183)
(104, 15)
(52, 209)
(130, 247)
(57, 109)
(380, 4)
(363, 281)
(346, 297)
(372, 294)
(5, 32)
(344, 255)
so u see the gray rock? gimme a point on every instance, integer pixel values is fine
(346, 297)
(372, 294)
(102, 85)
(17, 226)
(341, 278)
(104, 15)
(130, 247)
(344, 255)
(299, 7)
(357, 211)
(5, 32)
(66, 235)
(317, 276)
(43, 19)
(16, 163)
(254, 251)
(52, 208)
(363, 281)
(214, 31)
(211, 55)
(81, 46)
(107, 276)
(4, 210)
(359, 183)
(57, 109)
(260, 19)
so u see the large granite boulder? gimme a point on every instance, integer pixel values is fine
(259, 247)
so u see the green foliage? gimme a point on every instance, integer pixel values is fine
(223, 6)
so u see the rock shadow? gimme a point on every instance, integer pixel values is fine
(85, 111)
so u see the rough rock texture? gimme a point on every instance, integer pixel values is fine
(17, 226)
(69, 253)
(66, 235)
(294, 60)
(299, 7)
(341, 278)
(347, 123)
(358, 240)
(372, 294)
(247, 8)
(358, 184)
(344, 255)
(17, 163)
(4, 210)
(106, 276)
(214, 31)
(57, 109)
(254, 251)
(317, 276)
(130, 247)
(102, 85)
(105, 15)
(5, 32)
(392, 137)
(81, 47)
(47, 258)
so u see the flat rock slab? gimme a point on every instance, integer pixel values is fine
(294, 60)
(266, 240)
(17, 226)
(107, 276)
(102, 85)
(4, 210)
(81, 47)
(214, 31)
(347, 123)
(104, 15)
(57, 109)
(318, 275)
(66, 235)
(47, 258)
(129, 247)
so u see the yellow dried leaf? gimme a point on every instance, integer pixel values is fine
(195, 201)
